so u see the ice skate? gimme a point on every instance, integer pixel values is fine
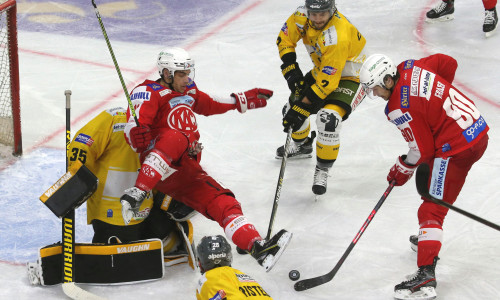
(414, 242)
(298, 150)
(420, 285)
(34, 272)
(267, 253)
(490, 22)
(320, 181)
(442, 12)
(131, 201)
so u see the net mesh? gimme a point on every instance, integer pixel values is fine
(6, 120)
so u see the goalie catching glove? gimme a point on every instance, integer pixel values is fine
(254, 98)
(296, 115)
(401, 172)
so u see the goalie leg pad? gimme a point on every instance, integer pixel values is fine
(133, 262)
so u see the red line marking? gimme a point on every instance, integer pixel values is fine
(423, 44)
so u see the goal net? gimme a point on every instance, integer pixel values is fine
(10, 116)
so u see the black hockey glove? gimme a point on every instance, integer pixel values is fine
(292, 74)
(296, 116)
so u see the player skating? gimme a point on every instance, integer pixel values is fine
(168, 139)
(444, 129)
(330, 90)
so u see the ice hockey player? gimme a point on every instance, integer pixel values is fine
(330, 90)
(444, 129)
(101, 146)
(168, 140)
(219, 280)
(445, 9)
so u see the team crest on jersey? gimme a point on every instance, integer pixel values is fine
(405, 97)
(425, 84)
(182, 118)
(329, 70)
(84, 139)
(408, 64)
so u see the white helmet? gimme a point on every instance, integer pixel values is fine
(174, 59)
(374, 70)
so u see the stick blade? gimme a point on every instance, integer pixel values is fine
(421, 180)
(310, 283)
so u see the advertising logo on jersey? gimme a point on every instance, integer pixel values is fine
(426, 83)
(438, 178)
(155, 86)
(119, 127)
(330, 36)
(475, 129)
(84, 139)
(408, 64)
(285, 29)
(439, 90)
(415, 77)
(186, 100)
(220, 295)
(182, 118)
(405, 97)
(140, 96)
(329, 70)
(405, 118)
(165, 92)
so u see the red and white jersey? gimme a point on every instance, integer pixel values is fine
(157, 106)
(435, 118)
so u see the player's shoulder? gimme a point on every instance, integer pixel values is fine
(115, 111)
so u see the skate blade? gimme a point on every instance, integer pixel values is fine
(425, 293)
(298, 156)
(440, 19)
(488, 34)
(271, 260)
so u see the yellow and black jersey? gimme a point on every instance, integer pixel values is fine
(230, 284)
(101, 146)
(336, 50)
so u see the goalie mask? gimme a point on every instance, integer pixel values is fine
(374, 71)
(213, 251)
(175, 59)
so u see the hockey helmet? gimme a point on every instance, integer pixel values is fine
(214, 251)
(174, 59)
(321, 5)
(374, 70)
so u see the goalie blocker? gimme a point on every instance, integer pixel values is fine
(133, 262)
(71, 190)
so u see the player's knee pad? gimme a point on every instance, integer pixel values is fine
(328, 123)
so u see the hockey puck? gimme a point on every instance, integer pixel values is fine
(294, 275)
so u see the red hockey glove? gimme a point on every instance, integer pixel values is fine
(401, 172)
(254, 98)
(140, 137)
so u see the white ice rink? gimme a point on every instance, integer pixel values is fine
(235, 53)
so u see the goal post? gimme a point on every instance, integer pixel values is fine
(10, 108)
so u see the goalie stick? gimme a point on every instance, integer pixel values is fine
(315, 281)
(68, 231)
(422, 180)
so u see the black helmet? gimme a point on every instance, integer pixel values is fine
(321, 5)
(214, 251)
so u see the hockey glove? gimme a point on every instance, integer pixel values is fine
(254, 98)
(292, 74)
(401, 172)
(296, 116)
(140, 137)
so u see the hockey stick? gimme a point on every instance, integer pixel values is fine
(130, 105)
(280, 183)
(68, 232)
(315, 281)
(422, 179)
